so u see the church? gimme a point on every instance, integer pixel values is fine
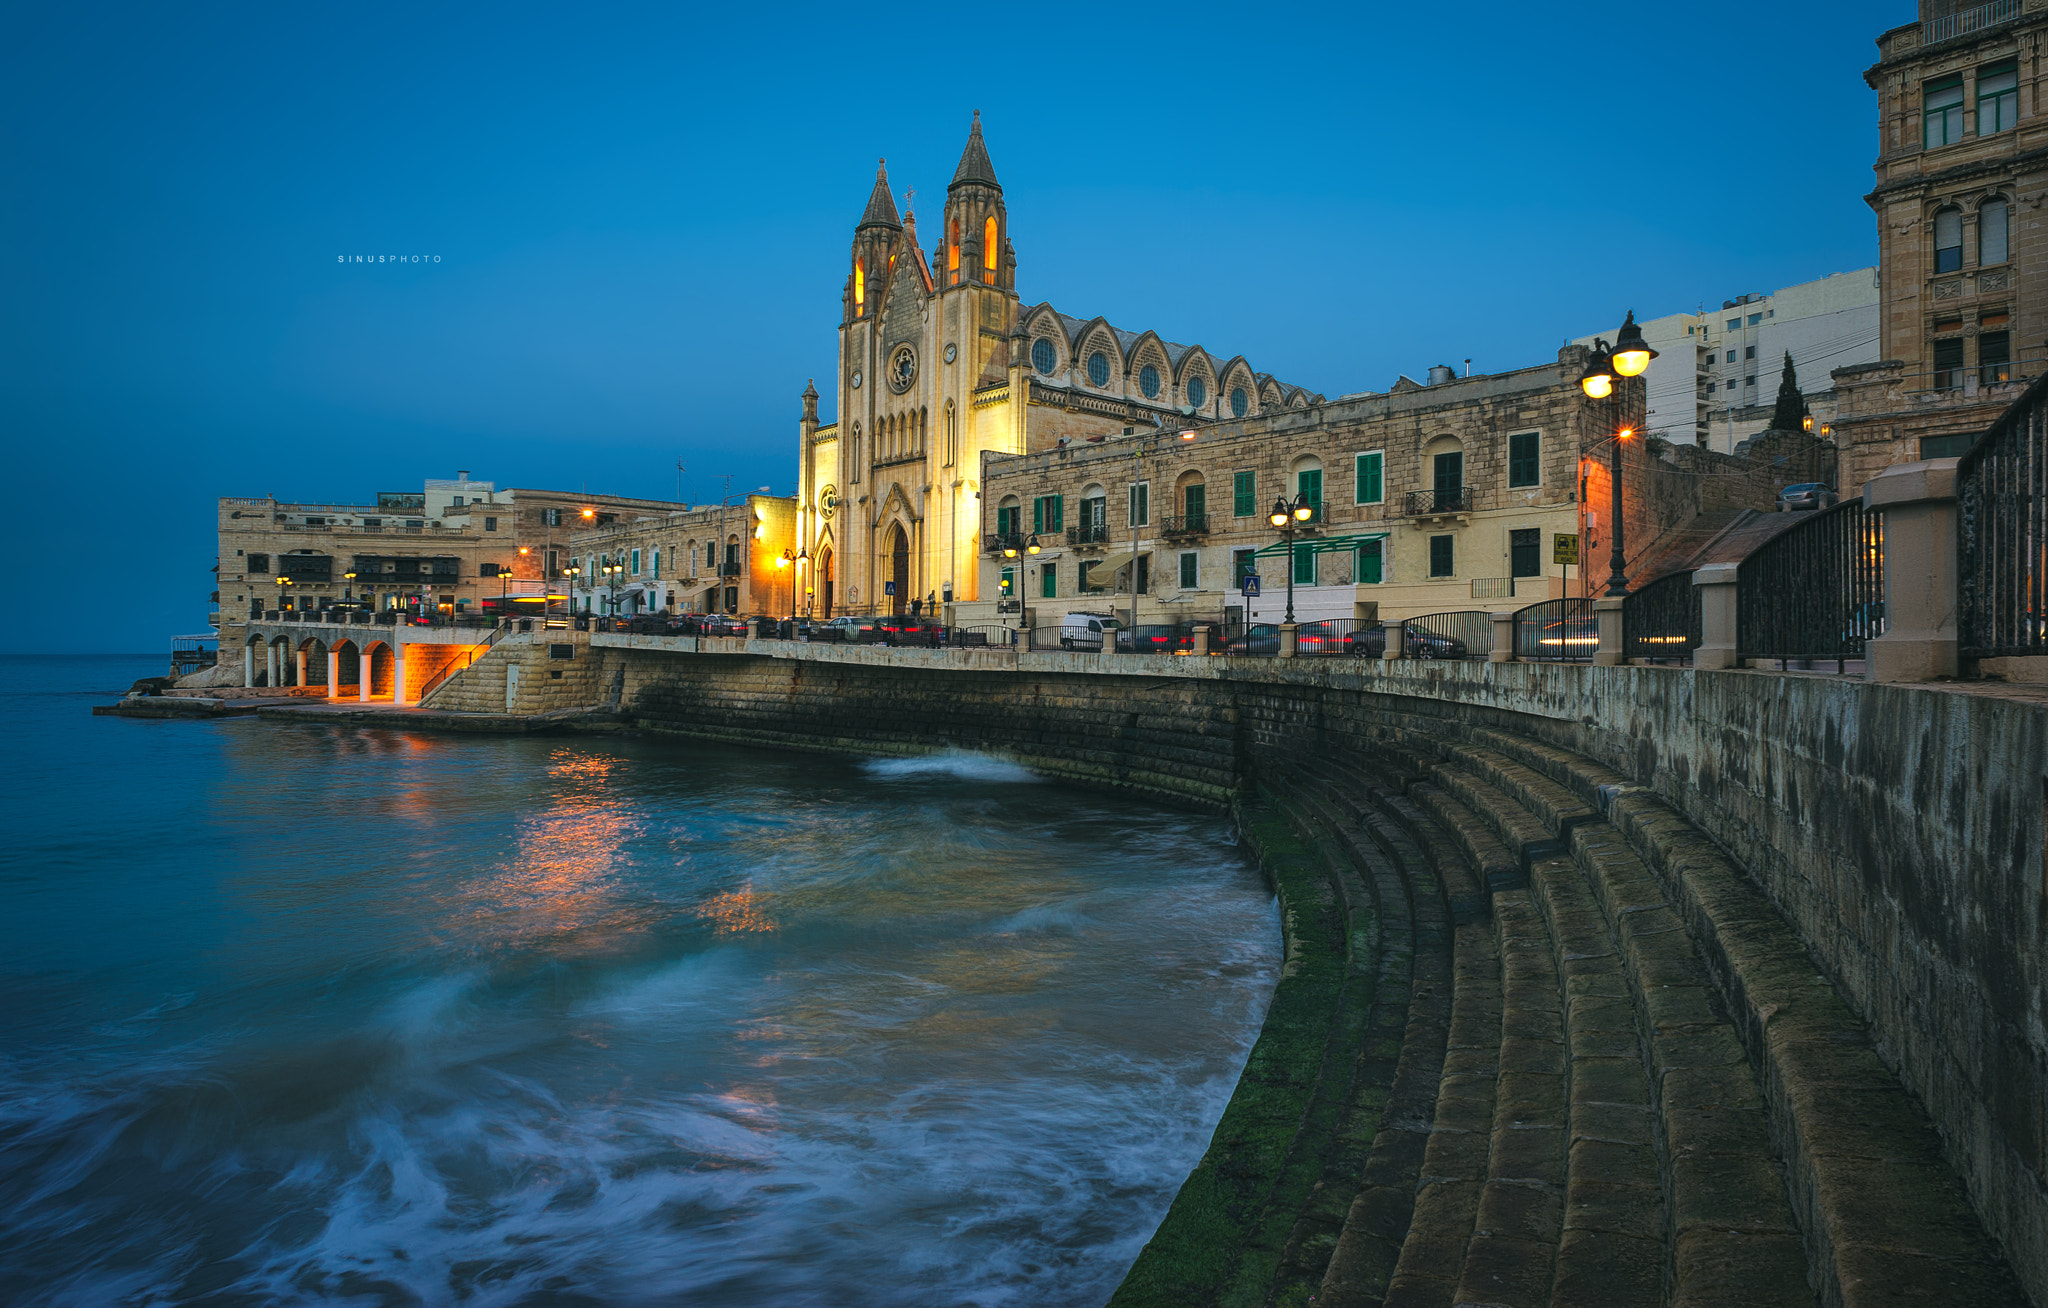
(940, 362)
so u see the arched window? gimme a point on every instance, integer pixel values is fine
(1148, 381)
(1948, 240)
(1238, 402)
(1098, 368)
(952, 436)
(860, 286)
(1198, 393)
(988, 243)
(953, 250)
(1042, 356)
(1994, 223)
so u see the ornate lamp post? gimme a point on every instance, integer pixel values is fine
(1629, 357)
(796, 561)
(1292, 521)
(572, 572)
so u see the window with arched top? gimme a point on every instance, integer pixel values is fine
(988, 243)
(1098, 368)
(1948, 240)
(1148, 381)
(953, 249)
(860, 286)
(1042, 356)
(1239, 402)
(1198, 392)
(1994, 226)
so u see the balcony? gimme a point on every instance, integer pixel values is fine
(729, 570)
(996, 542)
(1968, 21)
(1443, 502)
(1097, 534)
(1192, 524)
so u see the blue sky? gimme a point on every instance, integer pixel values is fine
(642, 217)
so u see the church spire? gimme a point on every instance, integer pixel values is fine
(974, 164)
(881, 210)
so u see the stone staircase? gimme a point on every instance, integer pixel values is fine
(1582, 1061)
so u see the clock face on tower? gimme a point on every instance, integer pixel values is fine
(902, 368)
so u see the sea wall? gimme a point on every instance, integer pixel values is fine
(1899, 829)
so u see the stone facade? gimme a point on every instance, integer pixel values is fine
(939, 363)
(439, 549)
(1962, 171)
(1528, 454)
(672, 562)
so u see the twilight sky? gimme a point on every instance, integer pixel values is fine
(642, 215)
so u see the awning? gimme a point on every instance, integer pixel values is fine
(1115, 561)
(1321, 544)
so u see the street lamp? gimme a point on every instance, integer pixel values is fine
(1292, 521)
(348, 588)
(282, 582)
(572, 572)
(798, 558)
(504, 584)
(1629, 357)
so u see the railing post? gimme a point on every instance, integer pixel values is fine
(1918, 501)
(1288, 632)
(1201, 642)
(1717, 588)
(1503, 637)
(1607, 619)
(1397, 641)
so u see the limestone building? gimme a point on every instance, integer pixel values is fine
(736, 559)
(941, 362)
(1962, 171)
(454, 546)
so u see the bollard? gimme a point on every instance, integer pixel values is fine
(1288, 647)
(1607, 615)
(1503, 638)
(1201, 642)
(1717, 648)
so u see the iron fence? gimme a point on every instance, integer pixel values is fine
(1465, 634)
(1190, 524)
(1963, 22)
(1557, 631)
(1660, 622)
(1093, 534)
(1815, 591)
(2002, 533)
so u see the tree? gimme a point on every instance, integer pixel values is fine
(1791, 412)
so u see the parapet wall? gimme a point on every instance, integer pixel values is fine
(1898, 828)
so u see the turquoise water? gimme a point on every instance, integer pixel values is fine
(354, 1016)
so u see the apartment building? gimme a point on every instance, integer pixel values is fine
(740, 558)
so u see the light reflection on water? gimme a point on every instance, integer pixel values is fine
(363, 1017)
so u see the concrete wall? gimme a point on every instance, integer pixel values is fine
(1899, 828)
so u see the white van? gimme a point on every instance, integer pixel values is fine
(1084, 630)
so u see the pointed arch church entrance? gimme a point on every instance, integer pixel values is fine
(823, 582)
(899, 569)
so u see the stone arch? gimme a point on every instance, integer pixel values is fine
(382, 678)
(823, 582)
(1098, 337)
(1443, 463)
(348, 657)
(313, 653)
(1190, 495)
(1043, 324)
(1148, 351)
(1196, 365)
(896, 549)
(1234, 380)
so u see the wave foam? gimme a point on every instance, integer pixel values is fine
(965, 765)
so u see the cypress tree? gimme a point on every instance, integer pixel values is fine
(1791, 410)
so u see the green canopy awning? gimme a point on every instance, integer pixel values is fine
(1320, 544)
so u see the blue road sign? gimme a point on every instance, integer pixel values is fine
(1250, 586)
(888, 588)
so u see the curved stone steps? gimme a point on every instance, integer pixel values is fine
(1415, 987)
(1751, 1047)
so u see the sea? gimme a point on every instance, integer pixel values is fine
(322, 1014)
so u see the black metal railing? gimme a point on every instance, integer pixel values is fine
(1096, 534)
(1814, 591)
(2002, 533)
(1338, 638)
(1444, 499)
(1559, 631)
(996, 542)
(1188, 524)
(1465, 634)
(1661, 621)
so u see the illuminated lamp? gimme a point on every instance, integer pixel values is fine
(1031, 545)
(1598, 379)
(1278, 517)
(1632, 354)
(1303, 510)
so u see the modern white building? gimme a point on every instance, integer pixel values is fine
(1715, 379)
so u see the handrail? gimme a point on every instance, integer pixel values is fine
(2001, 515)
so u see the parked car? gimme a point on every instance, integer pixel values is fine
(1807, 495)
(1084, 630)
(1154, 638)
(1259, 638)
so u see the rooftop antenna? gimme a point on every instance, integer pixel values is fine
(679, 481)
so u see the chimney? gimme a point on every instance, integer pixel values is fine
(462, 474)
